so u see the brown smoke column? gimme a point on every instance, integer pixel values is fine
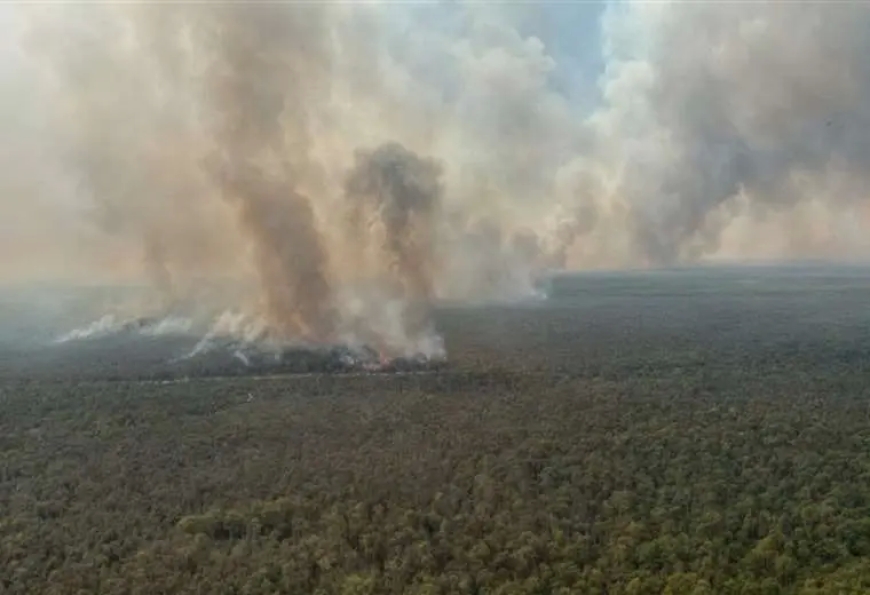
(265, 59)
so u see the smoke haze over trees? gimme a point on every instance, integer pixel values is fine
(349, 163)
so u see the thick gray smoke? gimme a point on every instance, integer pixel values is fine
(349, 164)
(394, 204)
(400, 193)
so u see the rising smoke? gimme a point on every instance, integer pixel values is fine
(265, 67)
(394, 198)
(724, 122)
(348, 164)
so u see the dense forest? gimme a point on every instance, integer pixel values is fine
(646, 445)
(673, 482)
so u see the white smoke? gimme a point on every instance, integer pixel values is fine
(231, 328)
(112, 324)
(171, 325)
(106, 325)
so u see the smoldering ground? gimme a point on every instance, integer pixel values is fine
(343, 166)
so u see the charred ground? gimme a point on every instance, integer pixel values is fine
(687, 432)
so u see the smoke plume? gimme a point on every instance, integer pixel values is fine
(265, 65)
(720, 116)
(398, 192)
(333, 170)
